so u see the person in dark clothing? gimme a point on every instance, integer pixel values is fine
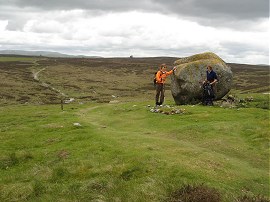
(209, 86)
(211, 76)
(160, 83)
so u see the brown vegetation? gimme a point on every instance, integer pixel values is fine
(195, 193)
(101, 79)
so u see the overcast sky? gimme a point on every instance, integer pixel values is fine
(236, 30)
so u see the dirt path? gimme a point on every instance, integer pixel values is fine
(35, 74)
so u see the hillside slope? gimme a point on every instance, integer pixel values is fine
(100, 79)
(108, 145)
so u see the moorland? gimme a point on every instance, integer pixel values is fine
(105, 144)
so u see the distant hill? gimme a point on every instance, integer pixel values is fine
(42, 53)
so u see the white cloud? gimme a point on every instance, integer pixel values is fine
(3, 25)
(136, 33)
(43, 26)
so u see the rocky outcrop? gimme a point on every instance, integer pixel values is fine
(191, 71)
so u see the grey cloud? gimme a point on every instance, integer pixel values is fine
(109, 5)
(16, 17)
(15, 25)
(214, 9)
(233, 14)
(226, 13)
(240, 9)
(243, 49)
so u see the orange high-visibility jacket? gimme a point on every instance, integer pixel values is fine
(161, 76)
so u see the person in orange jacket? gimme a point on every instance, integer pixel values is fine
(160, 81)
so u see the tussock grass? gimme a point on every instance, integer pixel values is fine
(14, 159)
(38, 188)
(195, 193)
(247, 198)
(9, 161)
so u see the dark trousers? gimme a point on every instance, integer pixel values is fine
(209, 93)
(160, 90)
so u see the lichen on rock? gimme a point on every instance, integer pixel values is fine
(191, 72)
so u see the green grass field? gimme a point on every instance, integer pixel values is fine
(123, 152)
(96, 151)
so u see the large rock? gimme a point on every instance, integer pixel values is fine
(191, 71)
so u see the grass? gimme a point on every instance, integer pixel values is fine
(17, 59)
(96, 151)
(123, 152)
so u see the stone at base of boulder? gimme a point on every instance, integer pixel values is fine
(114, 101)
